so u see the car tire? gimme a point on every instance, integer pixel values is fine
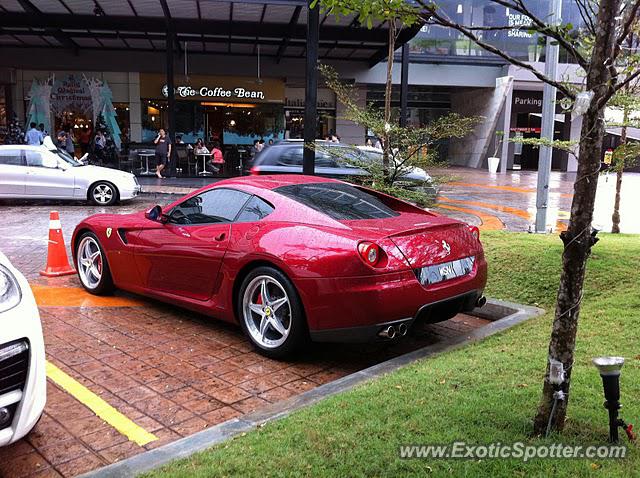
(92, 265)
(103, 193)
(277, 326)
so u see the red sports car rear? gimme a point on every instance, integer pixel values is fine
(290, 258)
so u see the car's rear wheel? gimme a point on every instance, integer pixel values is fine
(93, 269)
(271, 313)
(103, 193)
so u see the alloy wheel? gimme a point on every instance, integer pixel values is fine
(267, 311)
(102, 193)
(90, 263)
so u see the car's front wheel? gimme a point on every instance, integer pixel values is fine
(93, 268)
(103, 193)
(271, 313)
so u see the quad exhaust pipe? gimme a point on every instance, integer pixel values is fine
(392, 331)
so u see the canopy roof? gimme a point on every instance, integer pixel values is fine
(201, 26)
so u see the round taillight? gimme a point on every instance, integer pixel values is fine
(369, 252)
(475, 232)
(372, 255)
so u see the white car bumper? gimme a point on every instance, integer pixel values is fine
(23, 386)
(127, 194)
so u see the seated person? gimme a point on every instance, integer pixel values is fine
(217, 160)
(200, 148)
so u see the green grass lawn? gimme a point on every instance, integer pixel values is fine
(483, 393)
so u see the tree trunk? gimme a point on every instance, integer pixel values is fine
(577, 238)
(387, 96)
(615, 217)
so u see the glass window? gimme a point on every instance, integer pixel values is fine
(34, 158)
(338, 200)
(291, 156)
(254, 210)
(11, 157)
(216, 205)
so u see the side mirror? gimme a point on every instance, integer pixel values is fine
(155, 214)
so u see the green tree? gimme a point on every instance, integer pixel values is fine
(597, 47)
(409, 147)
(396, 13)
(628, 102)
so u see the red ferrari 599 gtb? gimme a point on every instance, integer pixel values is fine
(291, 258)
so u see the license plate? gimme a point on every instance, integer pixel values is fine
(445, 271)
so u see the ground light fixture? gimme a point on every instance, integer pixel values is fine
(610, 369)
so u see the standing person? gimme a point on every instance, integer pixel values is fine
(84, 138)
(69, 147)
(33, 136)
(254, 149)
(163, 151)
(43, 131)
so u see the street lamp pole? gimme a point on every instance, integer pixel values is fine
(552, 51)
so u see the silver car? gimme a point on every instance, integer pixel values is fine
(285, 157)
(35, 172)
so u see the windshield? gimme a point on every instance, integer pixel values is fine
(68, 158)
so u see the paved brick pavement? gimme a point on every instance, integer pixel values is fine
(170, 371)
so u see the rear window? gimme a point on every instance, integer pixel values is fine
(338, 201)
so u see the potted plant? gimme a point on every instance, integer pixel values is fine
(494, 161)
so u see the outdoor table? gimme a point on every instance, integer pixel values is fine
(204, 171)
(146, 157)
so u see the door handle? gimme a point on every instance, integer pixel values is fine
(220, 237)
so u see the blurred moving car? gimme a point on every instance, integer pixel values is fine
(285, 157)
(35, 172)
(23, 387)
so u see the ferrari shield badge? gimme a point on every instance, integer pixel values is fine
(109, 232)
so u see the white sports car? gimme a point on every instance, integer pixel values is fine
(39, 173)
(23, 387)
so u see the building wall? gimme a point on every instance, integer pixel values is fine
(473, 150)
(348, 131)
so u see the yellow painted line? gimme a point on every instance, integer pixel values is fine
(113, 417)
(512, 189)
(47, 296)
(489, 222)
(496, 207)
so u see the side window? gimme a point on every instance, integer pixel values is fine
(12, 157)
(216, 205)
(291, 156)
(34, 158)
(325, 160)
(254, 210)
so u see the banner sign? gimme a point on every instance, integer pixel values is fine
(221, 88)
(70, 93)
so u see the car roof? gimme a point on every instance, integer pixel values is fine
(22, 146)
(369, 149)
(273, 181)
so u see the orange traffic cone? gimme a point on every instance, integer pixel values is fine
(57, 261)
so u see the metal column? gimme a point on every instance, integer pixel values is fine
(171, 95)
(548, 121)
(311, 88)
(404, 85)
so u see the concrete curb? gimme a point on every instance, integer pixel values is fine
(504, 315)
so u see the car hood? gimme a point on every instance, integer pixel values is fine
(98, 172)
